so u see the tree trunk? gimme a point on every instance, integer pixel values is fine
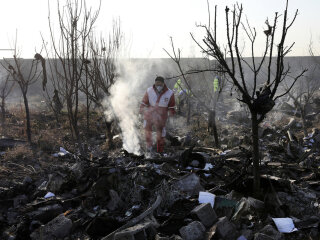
(188, 111)
(75, 128)
(88, 111)
(57, 118)
(87, 95)
(304, 122)
(256, 155)
(75, 115)
(70, 117)
(72, 121)
(3, 112)
(179, 105)
(26, 105)
(212, 124)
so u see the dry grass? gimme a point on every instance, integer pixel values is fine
(20, 152)
(47, 142)
(16, 164)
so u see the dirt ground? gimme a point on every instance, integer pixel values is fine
(99, 190)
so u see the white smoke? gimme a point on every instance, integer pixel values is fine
(124, 102)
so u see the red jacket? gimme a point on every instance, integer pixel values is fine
(155, 106)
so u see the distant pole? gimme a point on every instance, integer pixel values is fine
(15, 45)
(7, 49)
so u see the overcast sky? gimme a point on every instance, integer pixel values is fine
(148, 24)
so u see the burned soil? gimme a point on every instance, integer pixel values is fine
(56, 189)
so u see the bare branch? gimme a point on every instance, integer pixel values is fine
(294, 81)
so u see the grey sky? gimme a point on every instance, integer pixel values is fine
(148, 24)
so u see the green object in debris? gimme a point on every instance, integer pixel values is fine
(224, 203)
(224, 207)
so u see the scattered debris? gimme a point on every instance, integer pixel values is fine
(206, 197)
(284, 225)
(58, 228)
(190, 192)
(193, 231)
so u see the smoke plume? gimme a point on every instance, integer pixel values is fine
(123, 104)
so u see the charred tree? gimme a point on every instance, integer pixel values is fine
(24, 77)
(207, 100)
(102, 71)
(67, 64)
(303, 95)
(213, 94)
(5, 90)
(232, 62)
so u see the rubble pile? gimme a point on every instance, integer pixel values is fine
(192, 192)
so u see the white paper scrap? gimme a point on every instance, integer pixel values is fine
(208, 166)
(206, 197)
(49, 195)
(242, 238)
(284, 225)
(63, 152)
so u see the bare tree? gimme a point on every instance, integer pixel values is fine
(103, 68)
(54, 101)
(24, 73)
(232, 62)
(6, 87)
(101, 71)
(205, 98)
(314, 53)
(70, 51)
(208, 97)
(303, 95)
